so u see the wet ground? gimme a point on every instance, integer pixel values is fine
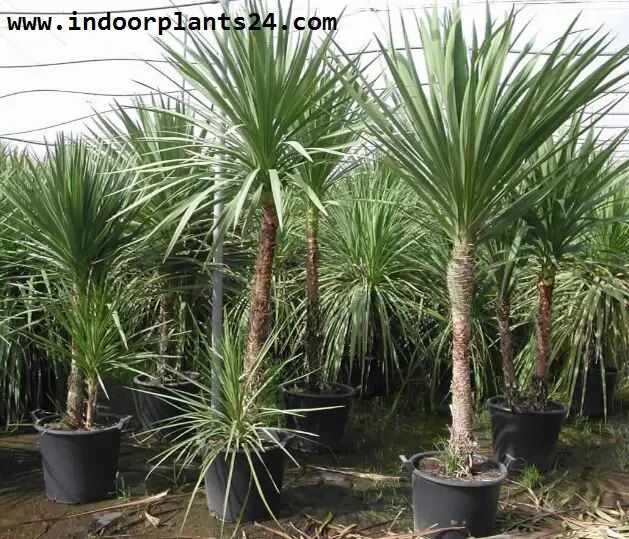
(365, 486)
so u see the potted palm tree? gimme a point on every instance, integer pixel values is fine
(506, 256)
(590, 326)
(241, 448)
(582, 176)
(75, 245)
(461, 142)
(258, 123)
(146, 134)
(257, 120)
(337, 131)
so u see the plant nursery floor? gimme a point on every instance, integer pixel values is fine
(364, 488)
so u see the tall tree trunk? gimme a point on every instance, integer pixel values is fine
(313, 315)
(261, 290)
(503, 315)
(92, 395)
(545, 285)
(76, 393)
(164, 318)
(460, 285)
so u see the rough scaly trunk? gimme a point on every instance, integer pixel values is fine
(539, 389)
(503, 315)
(165, 316)
(92, 395)
(261, 290)
(76, 395)
(460, 284)
(313, 328)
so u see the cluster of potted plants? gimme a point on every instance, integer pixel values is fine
(480, 139)
(477, 144)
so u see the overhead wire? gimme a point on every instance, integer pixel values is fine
(208, 2)
(592, 3)
(103, 12)
(86, 92)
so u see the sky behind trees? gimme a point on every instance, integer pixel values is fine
(27, 105)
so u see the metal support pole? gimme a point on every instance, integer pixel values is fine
(217, 275)
(217, 291)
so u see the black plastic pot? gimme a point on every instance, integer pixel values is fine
(368, 378)
(153, 410)
(327, 426)
(450, 503)
(523, 439)
(244, 502)
(594, 400)
(79, 466)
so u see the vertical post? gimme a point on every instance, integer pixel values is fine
(217, 279)
(217, 290)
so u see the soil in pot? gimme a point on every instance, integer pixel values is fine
(595, 399)
(244, 500)
(327, 426)
(80, 466)
(440, 501)
(154, 411)
(525, 437)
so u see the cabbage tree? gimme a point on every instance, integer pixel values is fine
(584, 176)
(461, 135)
(72, 235)
(258, 94)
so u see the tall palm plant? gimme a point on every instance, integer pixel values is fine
(558, 225)
(460, 141)
(71, 233)
(337, 131)
(258, 96)
(505, 257)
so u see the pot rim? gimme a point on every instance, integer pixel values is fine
(350, 392)
(40, 425)
(459, 482)
(560, 408)
(141, 380)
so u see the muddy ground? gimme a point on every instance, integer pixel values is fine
(364, 487)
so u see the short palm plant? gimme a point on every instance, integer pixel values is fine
(241, 447)
(371, 293)
(583, 174)
(506, 255)
(461, 140)
(74, 240)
